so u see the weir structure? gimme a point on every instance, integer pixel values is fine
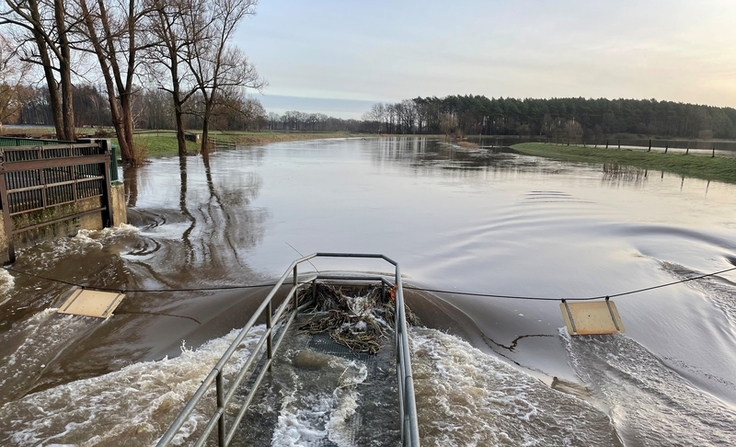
(221, 402)
(51, 189)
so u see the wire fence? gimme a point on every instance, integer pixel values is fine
(709, 147)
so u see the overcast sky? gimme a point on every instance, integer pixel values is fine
(354, 53)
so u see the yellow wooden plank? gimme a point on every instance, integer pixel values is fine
(91, 303)
(591, 318)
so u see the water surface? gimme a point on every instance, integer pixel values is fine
(488, 222)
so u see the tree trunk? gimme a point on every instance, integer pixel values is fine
(125, 150)
(125, 135)
(180, 138)
(205, 148)
(65, 71)
(48, 70)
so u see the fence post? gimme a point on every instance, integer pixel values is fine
(7, 220)
(619, 144)
(221, 429)
(113, 162)
(650, 146)
(606, 143)
(666, 146)
(687, 148)
(108, 219)
(714, 151)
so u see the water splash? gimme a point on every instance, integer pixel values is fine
(132, 406)
(650, 403)
(467, 398)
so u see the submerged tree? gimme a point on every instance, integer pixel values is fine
(194, 50)
(168, 24)
(216, 65)
(113, 33)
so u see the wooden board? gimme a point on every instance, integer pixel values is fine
(91, 303)
(591, 317)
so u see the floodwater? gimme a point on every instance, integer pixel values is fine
(488, 370)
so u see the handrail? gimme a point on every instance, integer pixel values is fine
(407, 403)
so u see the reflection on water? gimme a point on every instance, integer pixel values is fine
(614, 175)
(457, 219)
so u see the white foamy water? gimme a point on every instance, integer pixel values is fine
(7, 282)
(132, 406)
(310, 415)
(36, 342)
(651, 403)
(47, 254)
(468, 398)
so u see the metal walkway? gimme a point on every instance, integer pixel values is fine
(243, 411)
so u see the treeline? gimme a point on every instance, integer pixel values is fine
(151, 109)
(577, 118)
(313, 122)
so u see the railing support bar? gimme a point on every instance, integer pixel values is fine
(221, 406)
(269, 325)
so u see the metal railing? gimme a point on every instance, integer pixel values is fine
(272, 340)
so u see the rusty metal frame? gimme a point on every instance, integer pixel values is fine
(38, 158)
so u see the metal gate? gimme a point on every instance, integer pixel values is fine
(35, 178)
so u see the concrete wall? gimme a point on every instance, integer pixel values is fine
(119, 211)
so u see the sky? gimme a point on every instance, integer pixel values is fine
(340, 56)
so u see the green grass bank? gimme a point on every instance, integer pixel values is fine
(721, 169)
(163, 143)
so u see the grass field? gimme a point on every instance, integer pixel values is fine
(163, 142)
(699, 166)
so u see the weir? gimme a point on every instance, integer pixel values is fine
(285, 354)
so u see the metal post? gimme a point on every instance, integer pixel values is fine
(296, 295)
(7, 220)
(666, 146)
(269, 327)
(221, 435)
(113, 162)
(606, 143)
(714, 151)
(619, 144)
(650, 146)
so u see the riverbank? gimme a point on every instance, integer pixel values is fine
(163, 143)
(721, 169)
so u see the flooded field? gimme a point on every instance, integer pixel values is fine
(457, 220)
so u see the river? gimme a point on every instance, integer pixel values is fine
(484, 221)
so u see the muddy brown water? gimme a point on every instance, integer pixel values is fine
(482, 221)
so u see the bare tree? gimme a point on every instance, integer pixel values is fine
(44, 38)
(112, 31)
(215, 64)
(169, 25)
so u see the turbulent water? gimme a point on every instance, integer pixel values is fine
(488, 371)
